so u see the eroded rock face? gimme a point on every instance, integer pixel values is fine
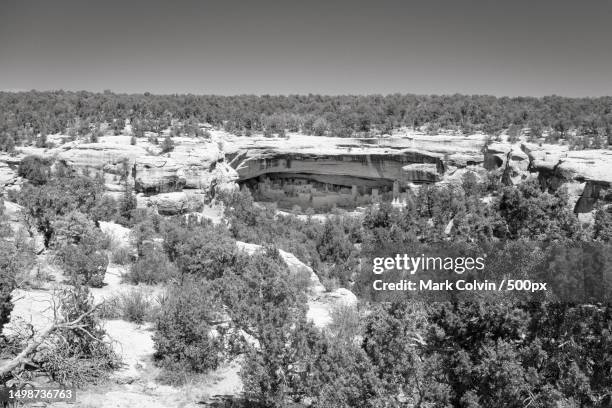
(157, 174)
(108, 157)
(512, 161)
(420, 173)
(586, 173)
(190, 165)
(360, 159)
(352, 167)
(194, 164)
(591, 194)
(354, 162)
(209, 165)
(496, 155)
(202, 164)
(586, 165)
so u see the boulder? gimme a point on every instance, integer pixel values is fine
(177, 202)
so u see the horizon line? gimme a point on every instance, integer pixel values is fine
(259, 95)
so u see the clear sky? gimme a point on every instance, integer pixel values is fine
(512, 47)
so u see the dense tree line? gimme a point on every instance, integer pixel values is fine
(27, 117)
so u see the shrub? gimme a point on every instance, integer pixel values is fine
(84, 266)
(184, 337)
(206, 252)
(110, 308)
(143, 233)
(127, 203)
(105, 209)
(469, 183)
(153, 267)
(35, 169)
(602, 228)
(301, 279)
(44, 204)
(329, 283)
(75, 228)
(167, 145)
(346, 323)
(268, 372)
(79, 246)
(263, 301)
(301, 361)
(121, 255)
(136, 306)
(530, 212)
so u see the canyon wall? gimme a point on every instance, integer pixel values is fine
(343, 168)
(197, 166)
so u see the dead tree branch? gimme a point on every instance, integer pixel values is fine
(37, 339)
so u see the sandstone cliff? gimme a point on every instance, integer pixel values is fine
(174, 182)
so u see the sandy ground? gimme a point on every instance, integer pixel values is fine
(144, 393)
(135, 384)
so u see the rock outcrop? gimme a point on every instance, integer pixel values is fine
(111, 158)
(420, 173)
(179, 202)
(191, 165)
(361, 162)
(204, 166)
(586, 173)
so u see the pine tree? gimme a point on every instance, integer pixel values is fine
(167, 145)
(128, 201)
